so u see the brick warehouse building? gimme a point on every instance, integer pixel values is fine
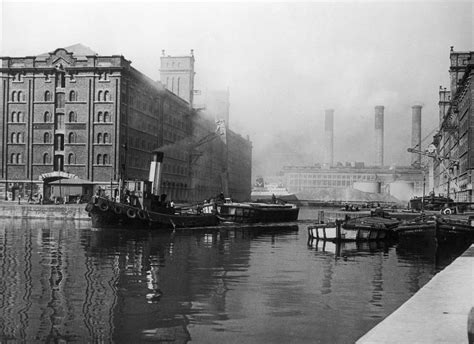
(455, 138)
(72, 115)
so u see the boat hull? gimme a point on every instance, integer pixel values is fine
(106, 213)
(256, 213)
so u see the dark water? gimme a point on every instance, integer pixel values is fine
(61, 281)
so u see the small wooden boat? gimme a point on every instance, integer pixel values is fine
(106, 213)
(377, 226)
(232, 212)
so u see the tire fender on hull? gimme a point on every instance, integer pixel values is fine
(131, 213)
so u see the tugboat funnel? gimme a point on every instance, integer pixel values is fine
(155, 171)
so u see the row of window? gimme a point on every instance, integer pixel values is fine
(18, 96)
(17, 138)
(47, 117)
(47, 137)
(17, 117)
(17, 158)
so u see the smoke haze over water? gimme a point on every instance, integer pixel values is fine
(283, 63)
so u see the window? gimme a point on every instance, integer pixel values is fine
(60, 80)
(20, 117)
(106, 116)
(99, 96)
(47, 117)
(71, 77)
(106, 138)
(99, 159)
(13, 118)
(60, 100)
(59, 123)
(72, 96)
(99, 138)
(46, 77)
(19, 138)
(12, 158)
(45, 158)
(71, 160)
(19, 158)
(20, 96)
(59, 142)
(47, 96)
(177, 89)
(99, 116)
(13, 96)
(13, 138)
(106, 159)
(72, 117)
(106, 96)
(72, 137)
(46, 138)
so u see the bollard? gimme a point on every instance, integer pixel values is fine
(321, 216)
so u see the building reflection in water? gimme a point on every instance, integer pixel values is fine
(61, 282)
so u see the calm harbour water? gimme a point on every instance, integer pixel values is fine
(61, 281)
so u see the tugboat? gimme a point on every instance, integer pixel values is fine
(140, 205)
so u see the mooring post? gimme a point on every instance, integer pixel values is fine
(338, 230)
(324, 232)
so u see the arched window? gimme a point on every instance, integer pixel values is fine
(106, 116)
(20, 117)
(172, 85)
(47, 138)
(20, 96)
(47, 96)
(71, 159)
(45, 158)
(99, 159)
(106, 96)
(13, 138)
(99, 138)
(106, 159)
(72, 117)
(19, 138)
(13, 117)
(19, 158)
(177, 88)
(99, 116)
(106, 138)
(72, 137)
(99, 96)
(13, 96)
(12, 158)
(72, 96)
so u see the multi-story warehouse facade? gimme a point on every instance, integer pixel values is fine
(455, 139)
(74, 114)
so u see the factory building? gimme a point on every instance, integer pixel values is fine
(455, 140)
(401, 182)
(73, 115)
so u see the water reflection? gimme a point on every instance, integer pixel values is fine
(64, 282)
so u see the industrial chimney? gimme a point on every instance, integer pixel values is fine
(329, 137)
(379, 135)
(416, 133)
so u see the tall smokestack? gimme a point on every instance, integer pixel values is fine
(329, 137)
(379, 135)
(416, 133)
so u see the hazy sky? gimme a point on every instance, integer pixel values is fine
(284, 63)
